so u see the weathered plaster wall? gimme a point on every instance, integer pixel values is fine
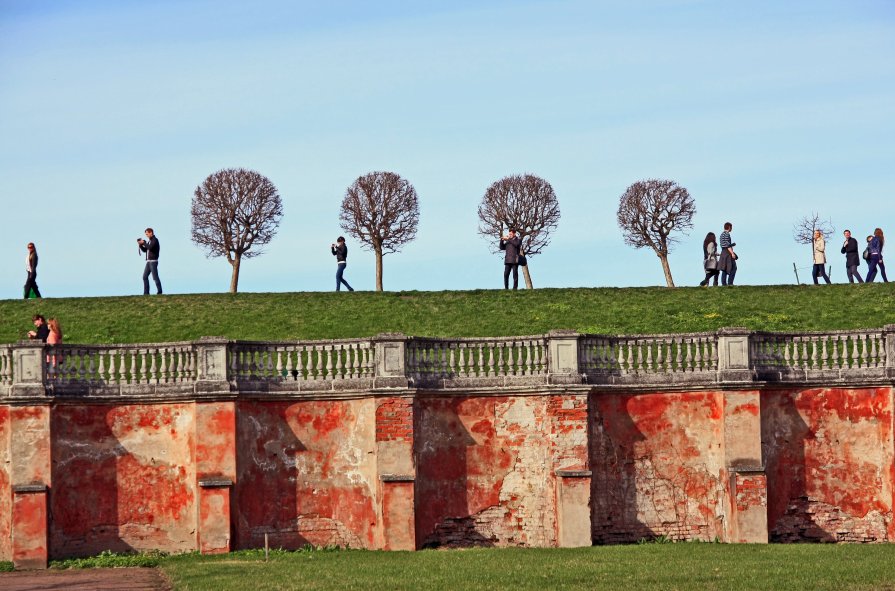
(5, 487)
(123, 479)
(658, 466)
(829, 455)
(306, 474)
(484, 472)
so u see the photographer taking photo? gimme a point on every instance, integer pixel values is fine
(151, 248)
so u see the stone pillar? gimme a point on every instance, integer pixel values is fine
(212, 369)
(397, 473)
(734, 355)
(570, 450)
(390, 361)
(889, 335)
(748, 495)
(215, 473)
(562, 357)
(30, 475)
(29, 370)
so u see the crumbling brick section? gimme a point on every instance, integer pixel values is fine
(752, 491)
(394, 419)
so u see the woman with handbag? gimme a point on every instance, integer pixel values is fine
(710, 259)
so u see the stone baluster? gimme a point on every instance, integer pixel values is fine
(889, 345)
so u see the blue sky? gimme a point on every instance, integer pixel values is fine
(111, 112)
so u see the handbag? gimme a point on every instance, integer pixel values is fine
(867, 254)
(522, 260)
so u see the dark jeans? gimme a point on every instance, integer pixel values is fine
(151, 267)
(851, 271)
(31, 283)
(709, 275)
(507, 267)
(819, 270)
(727, 278)
(340, 280)
(874, 262)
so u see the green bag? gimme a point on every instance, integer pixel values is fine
(31, 294)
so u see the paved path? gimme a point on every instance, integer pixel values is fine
(90, 579)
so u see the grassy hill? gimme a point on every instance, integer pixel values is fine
(288, 316)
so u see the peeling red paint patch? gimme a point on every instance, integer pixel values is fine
(5, 489)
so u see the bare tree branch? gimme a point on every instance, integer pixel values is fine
(235, 212)
(381, 210)
(649, 211)
(526, 203)
(803, 230)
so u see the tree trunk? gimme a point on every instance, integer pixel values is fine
(378, 268)
(527, 276)
(668, 280)
(234, 278)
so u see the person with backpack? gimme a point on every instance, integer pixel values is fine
(875, 260)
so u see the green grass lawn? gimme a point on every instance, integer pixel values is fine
(616, 568)
(291, 316)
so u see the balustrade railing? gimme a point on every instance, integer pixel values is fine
(311, 361)
(431, 358)
(114, 365)
(5, 365)
(218, 365)
(648, 354)
(775, 353)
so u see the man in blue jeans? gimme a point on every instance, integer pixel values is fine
(340, 251)
(151, 248)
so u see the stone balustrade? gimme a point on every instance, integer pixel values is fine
(215, 365)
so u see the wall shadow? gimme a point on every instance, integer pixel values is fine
(265, 495)
(783, 436)
(613, 437)
(442, 492)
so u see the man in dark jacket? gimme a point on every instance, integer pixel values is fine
(340, 251)
(511, 244)
(151, 248)
(852, 260)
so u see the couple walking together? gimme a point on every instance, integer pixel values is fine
(725, 264)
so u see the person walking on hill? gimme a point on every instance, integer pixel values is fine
(151, 248)
(710, 259)
(852, 260)
(340, 251)
(820, 258)
(728, 262)
(875, 261)
(512, 244)
(31, 268)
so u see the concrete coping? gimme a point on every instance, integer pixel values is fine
(397, 477)
(748, 469)
(574, 473)
(34, 487)
(215, 482)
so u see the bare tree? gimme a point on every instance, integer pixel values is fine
(235, 211)
(526, 203)
(649, 211)
(382, 211)
(803, 230)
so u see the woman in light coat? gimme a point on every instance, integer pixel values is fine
(820, 258)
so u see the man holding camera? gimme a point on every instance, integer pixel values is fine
(151, 248)
(511, 244)
(340, 251)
